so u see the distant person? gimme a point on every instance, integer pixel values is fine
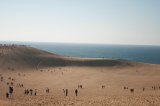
(103, 86)
(35, 93)
(7, 83)
(47, 90)
(154, 87)
(27, 92)
(1, 79)
(66, 92)
(31, 91)
(143, 89)
(7, 95)
(80, 86)
(10, 91)
(76, 92)
(132, 90)
(12, 83)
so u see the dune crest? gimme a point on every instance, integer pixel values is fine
(21, 56)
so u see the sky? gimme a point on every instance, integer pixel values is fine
(81, 21)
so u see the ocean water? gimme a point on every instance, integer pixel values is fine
(146, 54)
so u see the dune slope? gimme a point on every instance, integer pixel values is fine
(20, 56)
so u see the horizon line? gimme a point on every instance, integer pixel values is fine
(8, 41)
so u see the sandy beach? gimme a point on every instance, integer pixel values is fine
(104, 82)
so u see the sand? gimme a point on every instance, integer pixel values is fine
(68, 76)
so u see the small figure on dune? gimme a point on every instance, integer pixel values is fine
(12, 69)
(76, 92)
(8, 68)
(12, 83)
(47, 90)
(7, 83)
(132, 90)
(7, 95)
(143, 89)
(125, 87)
(10, 90)
(31, 91)
(27, 91)
(1, 79)
(13, 79)
(154, 87)
(66, 92)
(21, 85)
(103, 86)
(80, 86)
(35, 93)
(9, 78)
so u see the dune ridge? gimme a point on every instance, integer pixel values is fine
(21, 56)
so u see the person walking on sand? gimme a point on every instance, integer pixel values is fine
(47, 90)
(27, 91)
(76, 92)
(66, 92)
(10, 90)
(35, 93)
(31, 91)
(7, 95)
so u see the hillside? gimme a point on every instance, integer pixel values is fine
(22, 57)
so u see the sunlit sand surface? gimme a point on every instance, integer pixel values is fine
(117, 80)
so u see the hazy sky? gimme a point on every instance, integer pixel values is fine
(81, 21)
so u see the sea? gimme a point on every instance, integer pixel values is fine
(137, 53)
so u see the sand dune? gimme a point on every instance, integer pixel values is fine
(20, 56)
(38, 69)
